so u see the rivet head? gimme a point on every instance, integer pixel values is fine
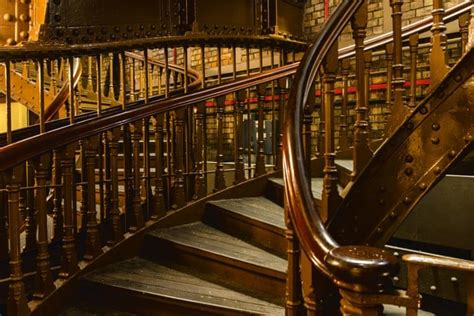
(409, 158)
(454, 279)
(468, 138)
(452, 154)
(379, 230)
(435, 126)
(422, 186)
(381, 202)
(393, 215)
(409, 171)
(458, 78)
(396, 254)
(424, 110)
(11, 41)
(24, 35)
(433, 288)
(437, 170)
(396, 279)
(24, 17)
(406, 200)
(435, 140)
(7, 17)
(409, 126)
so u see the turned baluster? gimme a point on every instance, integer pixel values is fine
(82, 213)
(127, 173)
(343, 127)
(93, 244)
(361, 151)
(167, 73)
(388, 93)
(43, 279)
(115, 227)
(90, 84)
(293, 280)
(321, 136)
(438, 59)
(159, 203)
(464, 23)
(146, 138)
(57, 197)
(399, 110)
(307, 123)
(136, 216)
(367, 67)
(53, 78)
(8, 100)
(111, 77)
(282, 84)
(413, 70)
(239, 175)
(330, 195)
(3, 224)
(17, 303)
(179, 186)
(250, 122)
(30, 211)
(219, 183)
(260, 159)
(72, 92)
(200, 189)
(68, 255)
(132, 72)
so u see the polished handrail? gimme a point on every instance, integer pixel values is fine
(36, 145)
(349, 267)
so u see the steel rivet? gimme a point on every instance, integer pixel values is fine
(468, 138)
(409, 125)
(458, 78)
(423, 110)
(408, 171)
(393, 215)
(454, 279)
(435, 126)
(437, 170)
(7, 17)
(435, 140)
(396, 279)
(433, 288)
(409, 158)
(381, 202)
(422, 186)
(379, 230)
(396, 254)
(407, 200)
(452, 154)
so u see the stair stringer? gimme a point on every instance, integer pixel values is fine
(411, 161)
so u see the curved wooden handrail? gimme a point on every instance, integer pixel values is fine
(353, 268)
(36, 145)
(63, 93)
(414, 28)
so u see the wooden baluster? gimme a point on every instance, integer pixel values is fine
(260, 160)
(399, 110)
(439, 59)
(362, 153)
(413, 70)
(58, 219)
(43, 279)
(388, 94)
(8, 100)
(90, 83)
(93, 244)
(53, 77)
(179, 186)
(293, 280)
(136, 216)
(356, 304)
(250, 123)
(146, 138)
(40, 85)
(219, 183)
(72, 92)
(307, 122)
(116, 231)
(133, 87)
(200, 190)
(464, 22)
(169, 128)
(159, 203)
(273, 115)
(68, 255)
(17, 303)
(343, 127)
(239, 175)
(321, 136)
(281, 108)
(367, 66)
(111, 77)
(330, 195)
(3, 225)
(82, 214)
(30, 220)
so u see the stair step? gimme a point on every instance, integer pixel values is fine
(347, 164)
(256, 220)
(216, 254)
(316, 186)
(156, 282)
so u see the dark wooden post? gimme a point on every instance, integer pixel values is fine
(116, 230)
(179, 186)
(413, 70)
(159, 205)
(58, 220)
(239, 175)
(260, 163)
(219, 183)
(200, 189)
(136, 217)
(343, 127)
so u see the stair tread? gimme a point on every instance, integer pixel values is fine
(346, 163)
(391, 310)
(153, 279)
(257, 208)
(316, 186)
(200, 236)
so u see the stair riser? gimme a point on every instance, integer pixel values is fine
(140, 304)
(259, 234)
(258, 281)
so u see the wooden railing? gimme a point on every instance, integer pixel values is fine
(377, 198)
(112, 171)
